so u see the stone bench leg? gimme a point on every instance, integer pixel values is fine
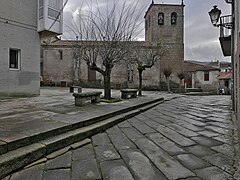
(79, 101)
(79, 90)
(96, 100)
(134, 95)
(124, 96)
(71, 89)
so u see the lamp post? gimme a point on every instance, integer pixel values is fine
(225, 21)
(215, 15)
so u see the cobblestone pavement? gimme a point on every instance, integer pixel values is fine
(190, 137)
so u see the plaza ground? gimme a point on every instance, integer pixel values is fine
(183, 137)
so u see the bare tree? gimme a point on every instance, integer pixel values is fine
(167, 72)
(104, 35)
(146, 58)
(181, 76)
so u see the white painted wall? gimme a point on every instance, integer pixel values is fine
(18, 29)
(211, 85)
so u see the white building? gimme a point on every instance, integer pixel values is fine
(22, 24)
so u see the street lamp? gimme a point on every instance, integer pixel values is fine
(228, 1)
(215, 15)
(225, 21)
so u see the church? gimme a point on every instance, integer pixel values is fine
(164, 23)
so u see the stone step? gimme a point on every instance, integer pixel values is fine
(18, 158)
(22, 141)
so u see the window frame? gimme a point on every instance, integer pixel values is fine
(17, 61)
(56, 11)
(174, 14)
(206, 75)
(162, 14)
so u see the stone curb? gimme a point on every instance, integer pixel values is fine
(18, 158)
(7, 147)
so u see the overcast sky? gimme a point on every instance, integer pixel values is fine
(200, 38)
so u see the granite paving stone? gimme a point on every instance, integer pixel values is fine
(213, 173)
(209, 133)
(192, 162)
(200, 151)
(57, 174)
(124, 124)
(85, 169)
(114, 130)
(34, 173)
(183, 130)
(224, 149)
(205, 141)
(115, 170)
(171, 168)
(63, 161)
(190, 126)
(166, 144)
(83, 153)
(132, 133)
(225, 139)
(120, 141)
(105, 153)
(221, 161)
(100, 139)
(141, 166)
(143, 128)
(176, 137)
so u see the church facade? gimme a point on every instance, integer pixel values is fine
(164, 25)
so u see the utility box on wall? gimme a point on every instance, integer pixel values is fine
(50, 17)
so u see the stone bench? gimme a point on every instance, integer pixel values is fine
(79, 88)
(81, 98)
(128, 92)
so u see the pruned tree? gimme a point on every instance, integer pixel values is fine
(104, 35)
(181, 76)
(167, 72)
(146, 58)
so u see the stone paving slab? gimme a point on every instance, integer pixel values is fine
(126, 152)
(24, 121)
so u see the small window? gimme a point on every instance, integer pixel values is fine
(206, 76)
(61, 54)
(160, 18)
(54, 8)
(41, 4)
(173, 18)
(130, 73)
(146, 24)
(149, 21)
(14, 59)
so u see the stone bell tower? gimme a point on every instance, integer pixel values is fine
(164, 23)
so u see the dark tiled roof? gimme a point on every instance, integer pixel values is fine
(192, 67)
(225, 75)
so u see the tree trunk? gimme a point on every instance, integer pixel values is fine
(107, 85)
(180, 85)
(140, 82)
(168, 84)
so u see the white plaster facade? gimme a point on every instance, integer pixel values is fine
(20, 47)
(198, 80)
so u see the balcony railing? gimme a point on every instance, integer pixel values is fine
(226, 26)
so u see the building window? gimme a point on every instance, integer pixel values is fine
(54, 8)
(130, 73)
(149, 21)
(146, 24)
(41, 4)
(173, 18)
(61, 54)
(14, 59)
(206, 76)
(160, 18)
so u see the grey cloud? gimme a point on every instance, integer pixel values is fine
(200, 35)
